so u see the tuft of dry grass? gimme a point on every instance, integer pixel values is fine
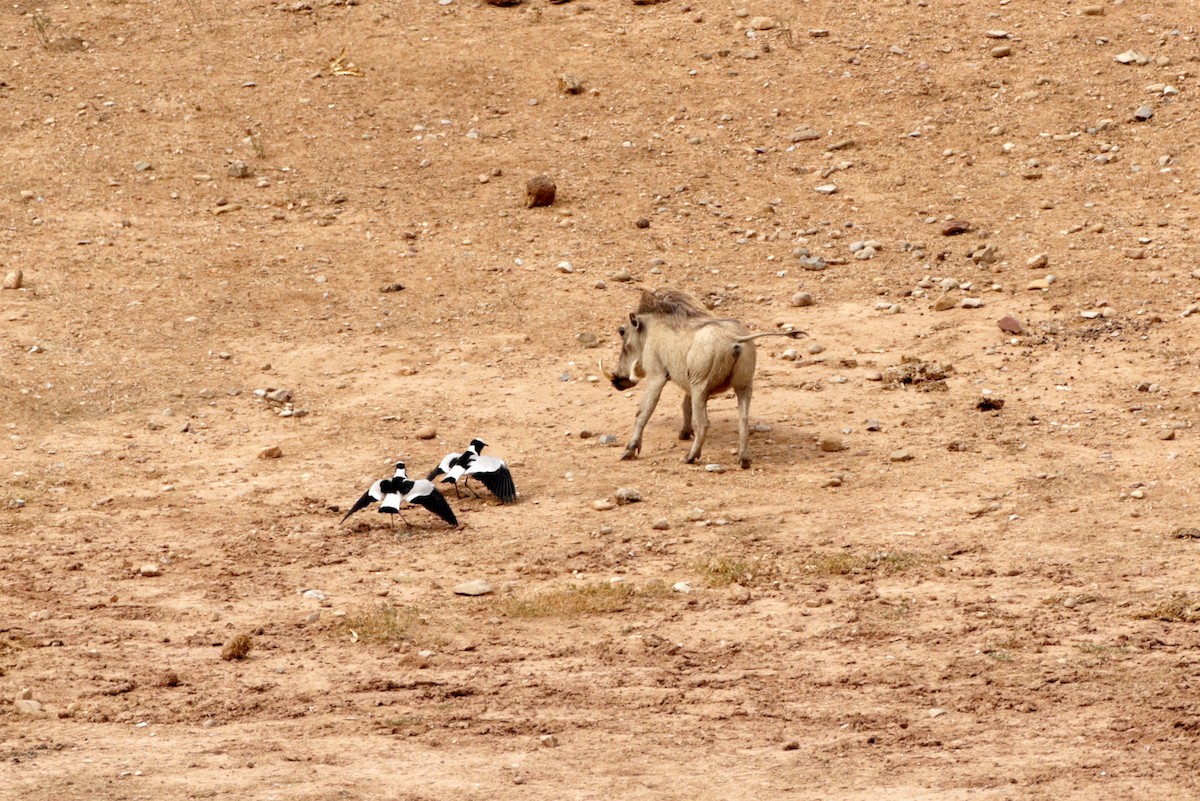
(722, 571)
(237, 648)
(844, 563)
(383, 623)
(586, 599)
(1179, 608)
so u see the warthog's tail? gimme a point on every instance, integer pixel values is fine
(788, 334)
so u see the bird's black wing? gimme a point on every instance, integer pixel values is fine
(500, 483)
(369, 497)
(435, 502)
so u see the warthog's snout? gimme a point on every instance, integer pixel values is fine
(620, 382)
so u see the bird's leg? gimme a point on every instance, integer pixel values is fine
(472, 489)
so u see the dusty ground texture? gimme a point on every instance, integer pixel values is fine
(1007, 609)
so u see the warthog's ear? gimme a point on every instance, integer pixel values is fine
(634, 321)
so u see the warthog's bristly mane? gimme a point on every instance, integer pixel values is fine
(671, 302)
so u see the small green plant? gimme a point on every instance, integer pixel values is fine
(586, 599)
(844, 563)
(722, 571)
(41, 26)
(383, 623)
(1179, 608)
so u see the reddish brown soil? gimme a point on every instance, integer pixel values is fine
(1000, 617)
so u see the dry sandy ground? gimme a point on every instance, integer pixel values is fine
(1011, 613)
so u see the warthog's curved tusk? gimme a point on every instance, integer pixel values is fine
(604, 372)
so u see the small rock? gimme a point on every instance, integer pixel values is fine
(628, 495)
(1092, 11)
(13, 280)
(548, 741)
(1134, 253)
(739, 594)
(604, 504)
(425, 432)
(1038, 262)
(587, 339)
(570, 84)
(762, 23)
(900, 456)
(874, 425)
(476, 587)
(662, 524)
(1001, 51)
(715, 468)
(150, 570)
(1010, 325)
(944, 302)
(790, 355)
(826, 189)
(831, 444)
(1039, 283)
(237, 169)
(681, 586)
(1143, 113)
(971, 303)
(565, 267)
(642, 222)
(622, 276)
(539, 191)
(936, 712)
(608, 439)
(813, 263)
(874, 375)
(955, 227)
(1131, 57)
(279, 396)
(142, 166)
(271, 452)
(802, 299)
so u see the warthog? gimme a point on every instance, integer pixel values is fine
(671, 337)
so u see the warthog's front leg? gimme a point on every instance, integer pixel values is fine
(743, 396)
(685, 433)
(654, 388)
(699, 421)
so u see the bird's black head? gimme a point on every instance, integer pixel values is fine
(477, 445)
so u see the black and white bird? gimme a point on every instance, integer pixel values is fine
(491, 471)
(393, 493)
(443, 469)
(422, 493)
(385, 491)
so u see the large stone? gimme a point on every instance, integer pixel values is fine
(540, 191)
(473, 588)
(13, 280)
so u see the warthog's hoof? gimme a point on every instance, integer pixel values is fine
(685, 435)
(745, 464)
(689, 459)
(630, 453)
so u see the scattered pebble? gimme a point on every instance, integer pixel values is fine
(739, 594)
(150, 570)
(1038, 262)
(662, 524)
(539, 191)
(604, 504)
(1143, 113)
(238, 169)
(13, 280)
(831, 444)
(1010, 324)
(681, 586)
(955, 227)
(425, 432)
(901, 455)
(271, 452)
(715, 468)
(802, 299)
(628, 495)
(826, 189)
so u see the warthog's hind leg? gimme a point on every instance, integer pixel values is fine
(685, 433)
(743, 396)
(654, 388)
(699, 421)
